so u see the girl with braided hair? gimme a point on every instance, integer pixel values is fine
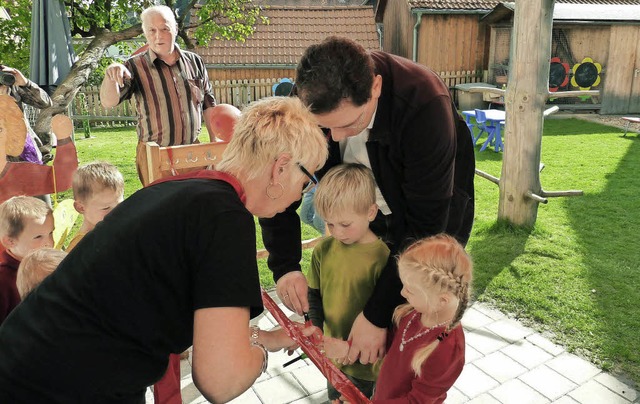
(426, 355)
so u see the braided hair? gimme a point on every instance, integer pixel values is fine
(436, 264)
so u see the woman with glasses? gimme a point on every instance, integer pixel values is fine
(174, 265)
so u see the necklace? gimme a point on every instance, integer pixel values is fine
(404, 341)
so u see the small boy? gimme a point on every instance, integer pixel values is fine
(36, 266)
(97, 188)
(26, 224)
(346, 265)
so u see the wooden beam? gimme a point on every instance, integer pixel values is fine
(554, 194)
(488, 176)
(535, 197)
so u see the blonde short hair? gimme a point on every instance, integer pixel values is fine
(94, 177)
(164, 11)
(14, 211)
(36, 266)
(269, 128)
(331, 198)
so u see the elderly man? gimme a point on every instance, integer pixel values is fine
(170, 86)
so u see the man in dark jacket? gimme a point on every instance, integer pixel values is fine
(396, 117)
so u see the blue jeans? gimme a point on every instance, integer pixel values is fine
(308, 213)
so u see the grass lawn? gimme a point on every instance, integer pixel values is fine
(574, 276)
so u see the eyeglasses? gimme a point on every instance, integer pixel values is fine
(311, 184)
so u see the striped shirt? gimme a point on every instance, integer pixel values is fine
(169, 99)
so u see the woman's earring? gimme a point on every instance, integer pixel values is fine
(281, 190)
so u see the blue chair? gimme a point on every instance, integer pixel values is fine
(481, 123)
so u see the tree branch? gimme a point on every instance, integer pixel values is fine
(88, 60)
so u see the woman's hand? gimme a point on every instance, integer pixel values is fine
(292, 290)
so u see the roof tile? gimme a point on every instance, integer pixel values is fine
(290, 31)
(454, 4)
(490, 4)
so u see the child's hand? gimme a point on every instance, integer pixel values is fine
(278, 339)
(335, 348)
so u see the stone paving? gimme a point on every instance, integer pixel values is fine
(505, 363)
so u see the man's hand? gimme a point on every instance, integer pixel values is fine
(367, 342)
(292, 290)
(114, 78)
(117, 73)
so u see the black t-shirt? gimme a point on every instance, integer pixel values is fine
(101, 327)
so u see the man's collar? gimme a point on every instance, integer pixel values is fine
(153, 56)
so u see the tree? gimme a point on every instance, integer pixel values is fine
(108, 22)
(14, 34)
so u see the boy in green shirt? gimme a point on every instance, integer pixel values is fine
(346, 265)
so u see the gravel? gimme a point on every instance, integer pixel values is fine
(610, 120)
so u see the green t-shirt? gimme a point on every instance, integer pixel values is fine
(346, 276)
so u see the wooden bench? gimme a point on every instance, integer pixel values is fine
(167, 161)
(170, 160)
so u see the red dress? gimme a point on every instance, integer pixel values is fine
(397, 383)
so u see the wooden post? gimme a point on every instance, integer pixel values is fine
(524, 102)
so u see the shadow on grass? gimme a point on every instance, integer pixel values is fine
(493, 248)
(606, 225)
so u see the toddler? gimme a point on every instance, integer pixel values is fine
(36, 266)
(97, 189)
(26, 224)
(346, 265)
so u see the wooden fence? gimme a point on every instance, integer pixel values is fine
(86, 108)
(451, 79)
